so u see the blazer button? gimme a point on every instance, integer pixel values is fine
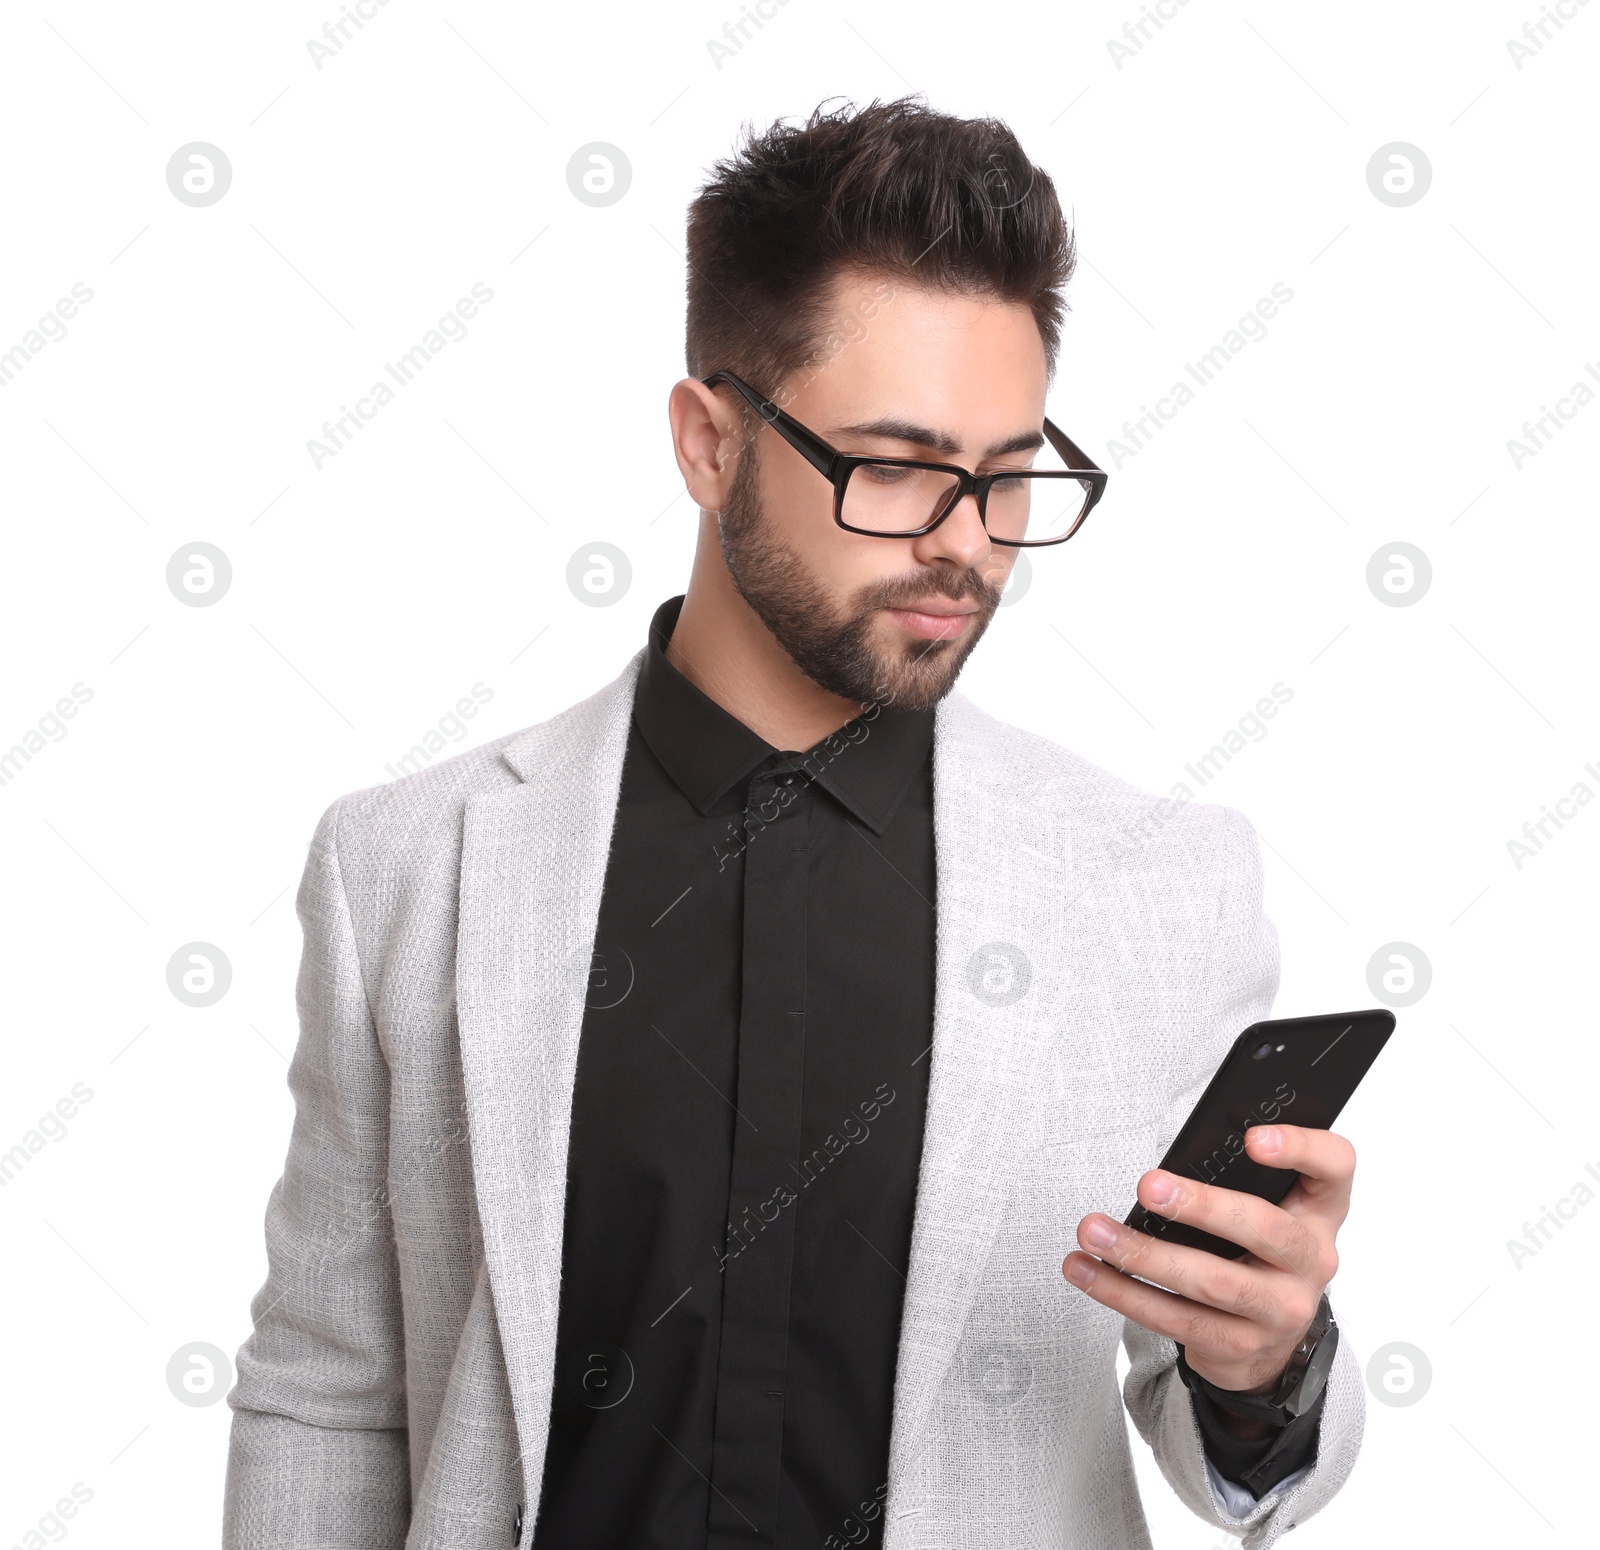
(516, 1526)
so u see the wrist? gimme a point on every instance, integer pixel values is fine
(1246, 1413)
(1295, 1390)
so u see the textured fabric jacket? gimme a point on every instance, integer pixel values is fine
(1097, 952)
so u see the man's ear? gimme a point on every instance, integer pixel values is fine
(707, 440)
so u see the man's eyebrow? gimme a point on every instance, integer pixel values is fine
(940, 441)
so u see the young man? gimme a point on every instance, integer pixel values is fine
(697, 1092)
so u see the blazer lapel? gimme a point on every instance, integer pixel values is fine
(533, 865)
(1000, 869)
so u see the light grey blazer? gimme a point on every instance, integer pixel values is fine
(1097, 951)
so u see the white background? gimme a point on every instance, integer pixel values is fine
(1228, 153)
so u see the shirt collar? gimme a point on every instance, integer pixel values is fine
(867, 764)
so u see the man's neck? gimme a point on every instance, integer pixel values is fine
(730, 656)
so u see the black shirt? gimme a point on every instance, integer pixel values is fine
(746, 1132)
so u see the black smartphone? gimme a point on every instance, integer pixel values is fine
(1300, 1070)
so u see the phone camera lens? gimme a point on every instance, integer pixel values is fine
(1262, 1051)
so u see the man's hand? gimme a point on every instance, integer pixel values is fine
(1238, 1320)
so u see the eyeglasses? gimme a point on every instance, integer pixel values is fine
(898, 497)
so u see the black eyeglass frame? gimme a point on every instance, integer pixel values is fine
(837, 467)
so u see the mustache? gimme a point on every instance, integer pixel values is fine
(958, 586)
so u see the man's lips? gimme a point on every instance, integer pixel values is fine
(937, 620)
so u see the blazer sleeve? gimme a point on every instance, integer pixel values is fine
(1236, 987)
(318, 1451)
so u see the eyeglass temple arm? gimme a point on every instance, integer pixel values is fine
(814, 450)
(1076, 457)
(822, 457)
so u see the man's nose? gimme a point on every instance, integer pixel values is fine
(960, 538)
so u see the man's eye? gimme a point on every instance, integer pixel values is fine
(880, 473)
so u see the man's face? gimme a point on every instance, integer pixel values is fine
(909, 373)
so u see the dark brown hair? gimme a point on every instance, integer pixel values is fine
(895, 189)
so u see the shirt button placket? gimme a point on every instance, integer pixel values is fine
(747, 1441)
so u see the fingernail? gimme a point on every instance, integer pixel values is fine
(1098, 1233)
(1162, 1191)
(1080, 1271)
(1268, 1138)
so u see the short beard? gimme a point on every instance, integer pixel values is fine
(796, 608)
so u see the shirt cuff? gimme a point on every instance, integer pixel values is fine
(1236, 1501)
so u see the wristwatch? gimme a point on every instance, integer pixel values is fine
(1302, 1382)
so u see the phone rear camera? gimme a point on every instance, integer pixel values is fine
(1262, 1051)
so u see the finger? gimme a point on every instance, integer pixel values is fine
(1248, 1290)
(1325, 1162)
(1321, 1155)
(1217, 1338)
(1302, 1245)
